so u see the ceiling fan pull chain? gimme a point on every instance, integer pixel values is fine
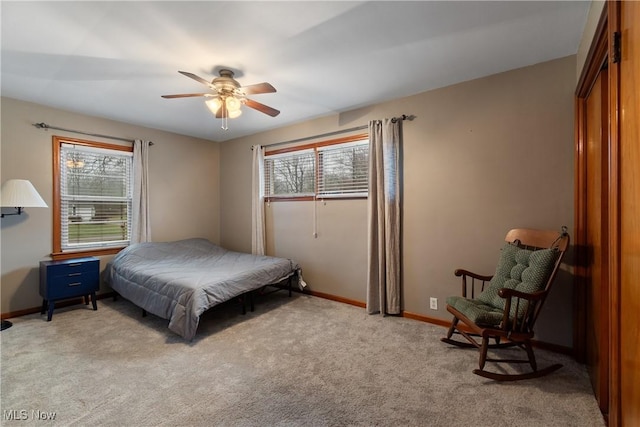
(224, 117)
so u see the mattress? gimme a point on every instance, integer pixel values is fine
(180, 280)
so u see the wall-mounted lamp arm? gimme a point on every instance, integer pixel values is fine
(19, 212)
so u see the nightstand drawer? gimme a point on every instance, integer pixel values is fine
(72, 285)
(73, 268)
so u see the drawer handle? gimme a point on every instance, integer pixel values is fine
(75, 274)
(75, 284)
(75, 264)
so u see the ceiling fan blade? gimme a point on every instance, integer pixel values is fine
(197, 78)
(185, 95)
(257, 89)
(261, 107)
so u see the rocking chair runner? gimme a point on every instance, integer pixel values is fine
(509, 306)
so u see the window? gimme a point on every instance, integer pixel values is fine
(343, 170)
(338, 168)
(92, 197)
(290, 174)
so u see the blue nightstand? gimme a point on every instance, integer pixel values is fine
(79, 277)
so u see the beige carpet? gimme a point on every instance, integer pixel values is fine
(300, 361)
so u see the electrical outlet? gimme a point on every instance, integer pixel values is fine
(433, 303)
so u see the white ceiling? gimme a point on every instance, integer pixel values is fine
(115, 59)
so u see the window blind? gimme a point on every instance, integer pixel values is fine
(323, 171)
(290, 174)
(343, 170)
(95, 197)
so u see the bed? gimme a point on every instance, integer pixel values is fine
(180, 280)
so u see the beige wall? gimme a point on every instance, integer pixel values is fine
(481, 157)
(184, 189)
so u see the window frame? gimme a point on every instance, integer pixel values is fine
(307, 153)
(314, 146)
(58, 253)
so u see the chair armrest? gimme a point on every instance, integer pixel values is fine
(461, 272)
(482, 279)
(528, 301)
(510, 293)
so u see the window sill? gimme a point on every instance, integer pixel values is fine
(311, 198)
(84, 253)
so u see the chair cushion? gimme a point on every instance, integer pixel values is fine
(520, 269)
(476, 311)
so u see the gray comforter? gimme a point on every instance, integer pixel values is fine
(180, 280)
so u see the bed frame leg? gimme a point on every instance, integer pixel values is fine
(251, 301)
(144, 313)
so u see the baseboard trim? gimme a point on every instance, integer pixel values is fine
(441, 322)
(555, 348)
(337, 298)
(59, 304)
(427, 319)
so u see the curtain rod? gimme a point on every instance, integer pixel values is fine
(337, 132)
(47, 127)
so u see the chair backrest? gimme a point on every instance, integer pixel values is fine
(528, 263)
(540, 239)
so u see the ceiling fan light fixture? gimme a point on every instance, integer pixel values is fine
(233, 104)
(214, 105)
(228, 96)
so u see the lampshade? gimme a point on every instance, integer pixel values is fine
(214, 104)
(233, 104)
(20, 193)
(234, 114)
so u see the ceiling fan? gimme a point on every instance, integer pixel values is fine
(228, 95)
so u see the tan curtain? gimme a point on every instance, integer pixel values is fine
(258, 238)
(383, 277)
(140, 225)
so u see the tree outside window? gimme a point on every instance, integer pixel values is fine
(325, 170)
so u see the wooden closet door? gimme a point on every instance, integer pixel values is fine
(629, 300)
(616, 249)
(596, 244)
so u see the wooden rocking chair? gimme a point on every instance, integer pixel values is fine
(507, 309)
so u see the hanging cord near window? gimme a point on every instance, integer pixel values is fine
(315, 217)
